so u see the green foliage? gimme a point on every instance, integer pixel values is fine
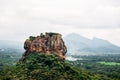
(92, 64)
(51, 33)
(9, 57)
(38, 66)
(42, 35)
(109, 63)
(31, 38)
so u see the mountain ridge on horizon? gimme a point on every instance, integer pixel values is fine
(93, 38)
(80, 44)
(76, 44)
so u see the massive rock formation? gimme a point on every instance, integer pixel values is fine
(48, 43)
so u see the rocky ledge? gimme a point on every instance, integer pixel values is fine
(48, 43)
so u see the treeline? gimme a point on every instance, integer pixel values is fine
(91, 64)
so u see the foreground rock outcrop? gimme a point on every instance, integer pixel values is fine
(48, 43)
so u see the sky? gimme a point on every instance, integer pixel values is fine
(90, 18)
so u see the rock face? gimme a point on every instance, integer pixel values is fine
(50, 43)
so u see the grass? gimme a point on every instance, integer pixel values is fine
(109, 63)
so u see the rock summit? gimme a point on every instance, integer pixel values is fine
(48, 43)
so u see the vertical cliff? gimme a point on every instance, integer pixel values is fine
(48, 43)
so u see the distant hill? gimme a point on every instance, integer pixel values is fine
(79, 45)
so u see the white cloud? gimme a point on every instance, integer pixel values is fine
(21, 18)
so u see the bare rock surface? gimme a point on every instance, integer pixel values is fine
(48, 43)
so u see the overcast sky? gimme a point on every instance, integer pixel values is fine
(90, 18)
